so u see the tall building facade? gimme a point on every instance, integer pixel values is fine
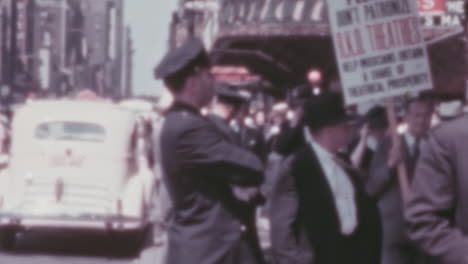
(16, 46)
(194, 18)
(5, 29)
(62, 46)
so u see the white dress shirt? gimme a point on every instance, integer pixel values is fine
(340, 184)
(411, 141)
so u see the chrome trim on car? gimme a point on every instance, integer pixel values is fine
(95, 222)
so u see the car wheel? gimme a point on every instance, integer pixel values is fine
(7, 238)
(131, 242)
(151, 237)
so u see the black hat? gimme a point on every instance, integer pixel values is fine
(182, 60)
(326, 110)
(376, 117)
(299, 95)
(231, 96)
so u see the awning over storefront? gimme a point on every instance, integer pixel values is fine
(269, 18)
(283, 39)
(272, 18)
(283, 61)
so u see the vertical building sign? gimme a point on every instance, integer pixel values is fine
(44, 69)
(431, 6)
(442, 13)
(112, 32)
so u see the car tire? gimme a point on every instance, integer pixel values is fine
(153, 235)
(131, 242)
(7, 238)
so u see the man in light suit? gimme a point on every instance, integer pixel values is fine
(383, 183)
(319, 210)
(437, 207)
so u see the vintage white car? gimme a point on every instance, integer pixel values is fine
(75, 165)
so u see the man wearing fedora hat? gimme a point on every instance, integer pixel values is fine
(199, 167)
(319, 210)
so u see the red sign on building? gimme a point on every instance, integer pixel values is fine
(432, 6)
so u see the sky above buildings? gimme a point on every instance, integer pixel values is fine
(149, 21)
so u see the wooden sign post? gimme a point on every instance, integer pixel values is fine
(396, 143)
(380, 55)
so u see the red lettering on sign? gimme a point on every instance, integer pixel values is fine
(350, 43)
(394, 34)
(431, 6)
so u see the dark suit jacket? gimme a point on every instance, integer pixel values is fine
(199, 165)
(223, 127)
(382, 183)
(437, 208)
(304, 221)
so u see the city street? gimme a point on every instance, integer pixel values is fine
(228, 131)
(74, 248)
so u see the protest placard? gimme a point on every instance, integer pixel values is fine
(380, 49)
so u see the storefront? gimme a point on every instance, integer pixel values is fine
(283, 41)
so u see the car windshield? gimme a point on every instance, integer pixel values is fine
(70, 131)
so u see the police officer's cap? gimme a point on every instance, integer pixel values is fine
(183, 59)
(232, 96)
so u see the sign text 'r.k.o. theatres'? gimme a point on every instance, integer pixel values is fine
(379, 48)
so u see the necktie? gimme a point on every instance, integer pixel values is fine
(416, 149)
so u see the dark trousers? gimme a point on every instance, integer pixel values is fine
(403, 253)
(244, 253)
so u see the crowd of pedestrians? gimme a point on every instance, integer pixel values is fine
(332, 195)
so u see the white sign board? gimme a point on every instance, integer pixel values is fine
(379, 47)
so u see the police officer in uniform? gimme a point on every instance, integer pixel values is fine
(200, 166)
(224, 108)
(226, 105)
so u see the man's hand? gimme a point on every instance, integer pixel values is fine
(364, 132)
(246, 194)
(358, 152)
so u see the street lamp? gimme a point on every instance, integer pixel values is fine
(314, 76)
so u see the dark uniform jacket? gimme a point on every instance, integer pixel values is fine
(227, 131)
(200, 165)
(248, 209)
(304, 220)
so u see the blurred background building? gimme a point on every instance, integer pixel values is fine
(59, 47)
(194, 18)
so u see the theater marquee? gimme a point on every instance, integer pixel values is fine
(272, 17)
